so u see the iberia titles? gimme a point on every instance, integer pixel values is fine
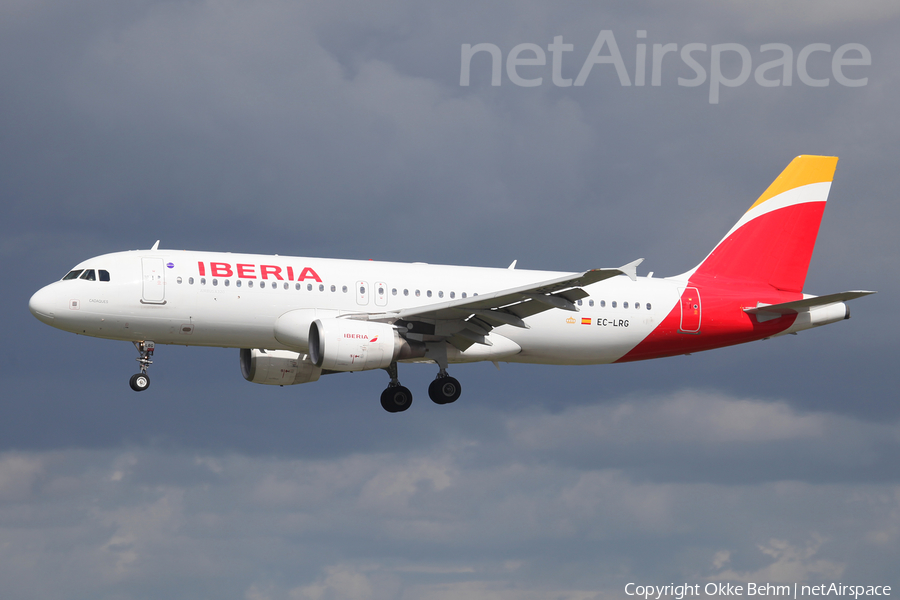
(252, 271)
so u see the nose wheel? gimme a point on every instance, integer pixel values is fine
(141, 381)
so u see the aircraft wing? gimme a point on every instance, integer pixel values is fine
(467, 321)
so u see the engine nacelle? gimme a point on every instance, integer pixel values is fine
(277, 367)
(353, 345)
(292, 328)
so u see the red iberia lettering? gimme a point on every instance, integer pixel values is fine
(217, 269)
(266, 270)
(249, 271)
(308, 273)
(246, 271)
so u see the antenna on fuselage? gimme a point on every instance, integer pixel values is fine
(155, 246)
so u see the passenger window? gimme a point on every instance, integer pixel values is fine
(190, 280)
(637, 305)
(297, 286)
(418, 293)
(394, 292)
(428, 293)
(579, 303)
(452, 294)
(227, 282)
(73, 274)
(250, 284)
(321, 287)
(237, 283)
(333, 288)
(262, 284)
(88, 275)
(648, 306)
(590, 302)
(624, 305)
(603, 304)
(406, 292)
(104, 275)
(286, 285)
(613, 303)
(344, 289)
(463, 294)
(308, 287)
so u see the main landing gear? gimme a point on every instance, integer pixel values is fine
(444, 389)
(141, 381)
(397, 398)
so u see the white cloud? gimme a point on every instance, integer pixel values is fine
(686, 417)
(459, 518)
(18, 474)
(790, 564)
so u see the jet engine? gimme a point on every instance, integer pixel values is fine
(354, 345)
(277, 367)
(292, 328)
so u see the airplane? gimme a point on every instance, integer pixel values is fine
(295, 319)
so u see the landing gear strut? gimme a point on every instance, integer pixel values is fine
(395, 398)
(444, 389)
(141, 381)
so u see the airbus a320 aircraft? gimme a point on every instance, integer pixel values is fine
(296, 319)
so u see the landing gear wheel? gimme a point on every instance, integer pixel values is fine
(444, 390)
(396, 399)
(139, 382)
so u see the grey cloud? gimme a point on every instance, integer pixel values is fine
(389, 525)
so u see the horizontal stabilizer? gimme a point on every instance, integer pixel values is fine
(797, 306)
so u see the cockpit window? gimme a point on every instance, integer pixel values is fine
(89, 275)
(73, 274)
(104, 275)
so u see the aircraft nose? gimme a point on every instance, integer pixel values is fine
(43, 305)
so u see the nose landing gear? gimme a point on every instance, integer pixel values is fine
(141, 381)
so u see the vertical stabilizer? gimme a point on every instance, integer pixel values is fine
(774, 240)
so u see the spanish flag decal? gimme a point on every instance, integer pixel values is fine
(585, 320)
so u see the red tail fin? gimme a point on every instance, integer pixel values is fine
(774, 240)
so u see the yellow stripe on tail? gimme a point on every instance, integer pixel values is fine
(803, 170)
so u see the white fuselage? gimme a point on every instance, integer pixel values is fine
(234, 300)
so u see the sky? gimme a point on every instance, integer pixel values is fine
(344, 129)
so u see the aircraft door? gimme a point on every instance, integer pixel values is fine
(154, 281)
(690, 310)
(362, 293)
